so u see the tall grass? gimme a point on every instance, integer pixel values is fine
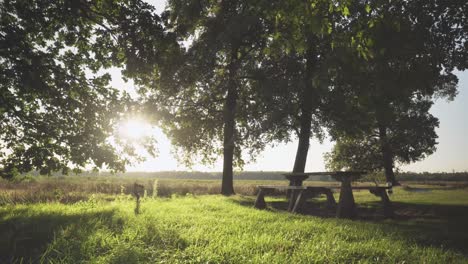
(206, 229)
(70, 190)
(78, 220)
(73, 189)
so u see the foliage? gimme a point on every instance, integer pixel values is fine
(411, 136)
(57, 109)
(206, 106)
(225, 77)
(354, 154)
(378, 107)
(295, 62)
(190, 104)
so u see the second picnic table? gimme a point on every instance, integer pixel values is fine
(297, 193)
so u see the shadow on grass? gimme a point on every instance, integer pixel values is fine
(432, 225)
(428, 225)
(46, 236)
(25, 236)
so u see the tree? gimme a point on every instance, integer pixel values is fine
(57, 110)
(303, 30)
(204, 105)
(407, 54)
(294, 65)
(410, 137)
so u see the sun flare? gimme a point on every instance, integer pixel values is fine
(134, 129)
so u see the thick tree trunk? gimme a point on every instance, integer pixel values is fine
(306, 114)
(387, 156)
(304, 141)
(229, 132)
(227, 186)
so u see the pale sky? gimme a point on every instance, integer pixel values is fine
(451, 151)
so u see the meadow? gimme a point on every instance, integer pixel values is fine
(79, 220)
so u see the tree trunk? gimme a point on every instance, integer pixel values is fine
(229, 132)
(227, 186)
(387, 156)
(304, 141)
(306, 113)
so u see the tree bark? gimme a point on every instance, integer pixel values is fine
(227, 186)
(304, 141)
(387, 156)
(229, 132)
(305, 120)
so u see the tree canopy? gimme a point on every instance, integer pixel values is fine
(57, 109)
(226, 77)
(380, 101)
(208, 107)
(301, 45)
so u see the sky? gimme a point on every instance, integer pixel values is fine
(451, 154)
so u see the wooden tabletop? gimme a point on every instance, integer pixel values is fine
(325, 173)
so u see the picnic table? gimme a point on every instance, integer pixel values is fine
(298, 193)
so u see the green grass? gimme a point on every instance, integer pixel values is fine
(430, 228)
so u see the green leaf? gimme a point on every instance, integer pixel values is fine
(368, 8)
(345, 11)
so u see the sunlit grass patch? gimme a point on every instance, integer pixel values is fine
(213, 229)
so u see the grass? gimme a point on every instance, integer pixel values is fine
(430, 228)
(73, 189)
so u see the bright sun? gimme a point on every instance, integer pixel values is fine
(134, 129)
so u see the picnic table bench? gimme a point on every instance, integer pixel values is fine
(298, 194)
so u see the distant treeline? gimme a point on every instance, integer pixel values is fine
(196, 175)
(432, 176)
(270, 175)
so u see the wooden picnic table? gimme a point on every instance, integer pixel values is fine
(297, 193)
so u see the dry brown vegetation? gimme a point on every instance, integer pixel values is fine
(73, 189)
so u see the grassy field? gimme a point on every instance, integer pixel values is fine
(102, 227)
(73, 189)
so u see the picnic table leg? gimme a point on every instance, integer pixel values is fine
(292, 200)
(293, 182)
(346, 205)
(260, 201)
(386, 203)
(301, 198)
(331, 202)
(288, 193)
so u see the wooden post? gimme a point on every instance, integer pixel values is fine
(301, 198)
(331, 202)
(138, 189)
(386, 203)
(292, 200)
(260, 201)
(346, 205)
(294, 180)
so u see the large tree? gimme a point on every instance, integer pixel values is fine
(410, 137)
(205, 105)
(57, 109)
(380, 98)
(302, 30)
(290, 76)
